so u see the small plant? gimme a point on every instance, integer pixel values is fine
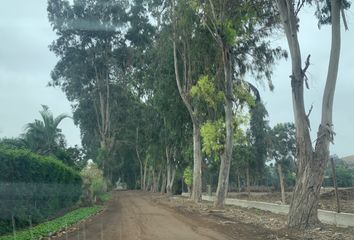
(93, 183)
(188, 177)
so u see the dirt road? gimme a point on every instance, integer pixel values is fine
(131, 215)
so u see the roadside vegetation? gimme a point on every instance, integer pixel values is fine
(41, 179)
(49, 228)
(165, 94)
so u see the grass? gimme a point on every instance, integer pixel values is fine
(47, 228)
(105, 196)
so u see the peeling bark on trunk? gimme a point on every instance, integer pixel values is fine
(226, 156)
(311, 162)
(281, 181)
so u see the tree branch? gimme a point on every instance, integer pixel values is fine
(300, 4)
(307, 64)
(344, 20)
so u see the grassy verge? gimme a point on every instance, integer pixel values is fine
(47, 228)
(104, 197)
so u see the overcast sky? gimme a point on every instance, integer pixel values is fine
(26, 62)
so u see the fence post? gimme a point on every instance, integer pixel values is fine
(13, 226)
(335, 183)
(30, 222)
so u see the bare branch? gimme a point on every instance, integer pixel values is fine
(344, 20)
(310, 110)
(307, 64)
(300, 4)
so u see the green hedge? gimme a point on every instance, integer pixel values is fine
(33, 188)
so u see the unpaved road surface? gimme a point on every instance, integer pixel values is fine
(132, 215)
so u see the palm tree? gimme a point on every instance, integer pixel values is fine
(44, 136)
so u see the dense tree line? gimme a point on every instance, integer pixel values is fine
(161, 91)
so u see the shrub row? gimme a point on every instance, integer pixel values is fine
(34, 188)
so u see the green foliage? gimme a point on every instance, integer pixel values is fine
(283, 142)
(34, 185)
(206, 91)
(243, 95)
(188, 176)
(213, 134)
(258, 136)
(15, 143)
(344, 176)
(50, 227)
(344, 173)
(282, 148)
(104, 197)
(240, 120)
(230, 33)
(44, 136)
(323, 10)
(93, 182)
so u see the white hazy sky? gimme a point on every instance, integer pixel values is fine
(26, 62)
(25, 65)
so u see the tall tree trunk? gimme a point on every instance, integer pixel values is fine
(139, 159)
(158, 180)
(141, 175)
(224, 171)
(238, 182)
(184, 92)
(163, 183)
(168, 169)
(149, 180)
(281, 181)
(311, 162)
(144, 177)
(248, 181)
(197, 166)
(171, 172)
(170, 182)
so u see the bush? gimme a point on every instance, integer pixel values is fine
(188, 177)
(33, 187)
(93, 183)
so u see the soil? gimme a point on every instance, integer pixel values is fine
(135, 215)
(140, 215)
(327, 200)
(272, 225)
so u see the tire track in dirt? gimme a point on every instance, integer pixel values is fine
(131, 215)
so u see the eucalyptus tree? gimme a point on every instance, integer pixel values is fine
(282, 150)
(258, 137)
(162, 95)
(89, 45)
(44, 136)
(241, 31)
(194, 56)
(311, 159)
